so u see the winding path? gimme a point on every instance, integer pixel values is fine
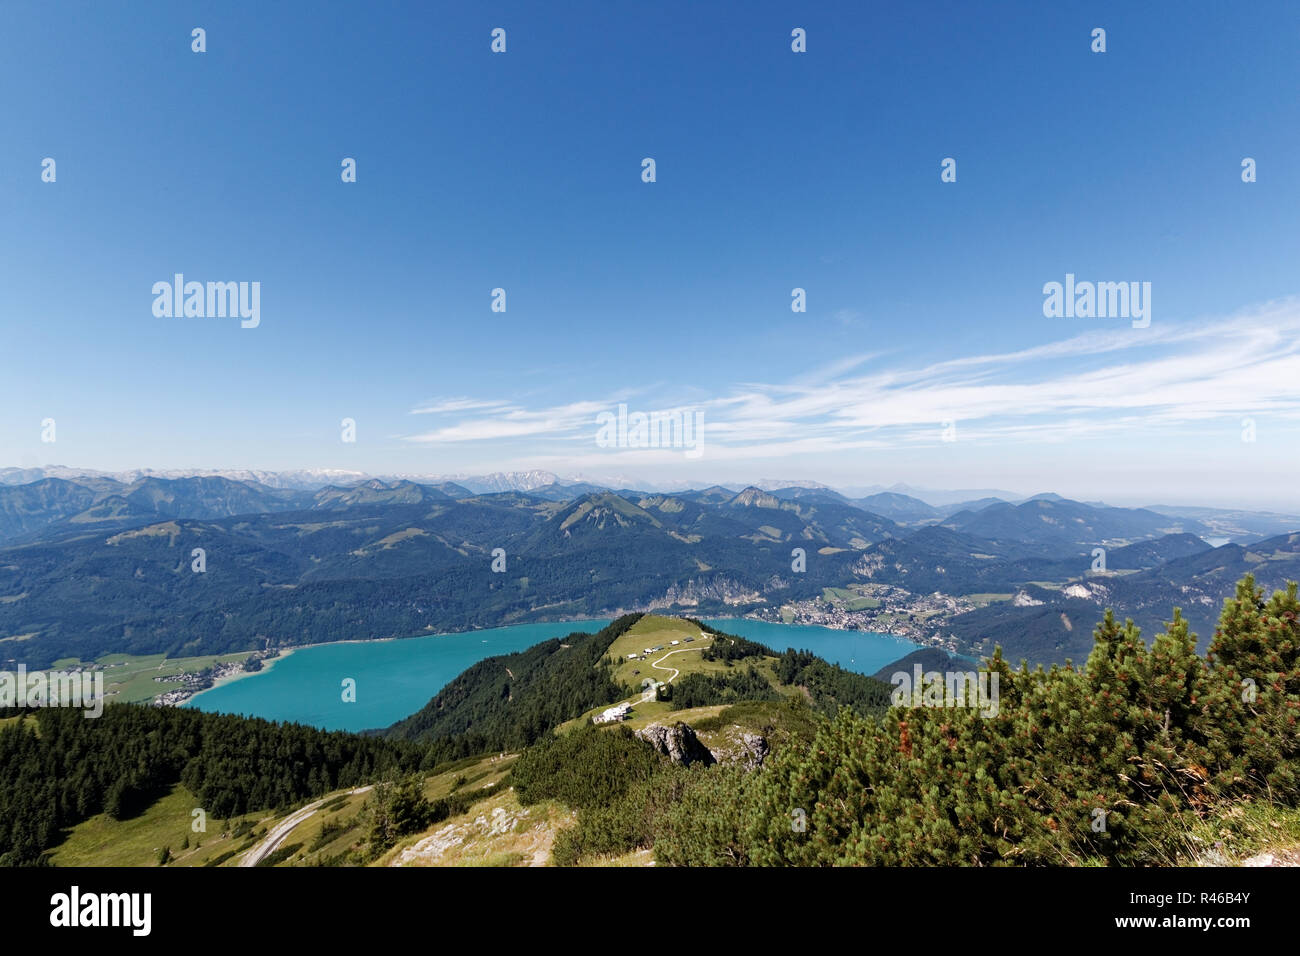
(272, 840)
(676, 672)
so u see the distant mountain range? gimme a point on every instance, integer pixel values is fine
(95, 564)
(304, 479)
(308, 478)
(901, 503)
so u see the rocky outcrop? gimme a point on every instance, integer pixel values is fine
(678, 743)
(756, 750)
(719, 589)
(748, 750)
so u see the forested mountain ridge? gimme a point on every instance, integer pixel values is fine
(61, 768)
(510, 701)
(513, 700)
(98, 566)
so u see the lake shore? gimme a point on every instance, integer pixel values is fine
(267, 665)
(286, 651)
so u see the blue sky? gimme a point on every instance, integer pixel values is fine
(775, 170)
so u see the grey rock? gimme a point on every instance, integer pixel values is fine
(678, 743)
(756, 750)
(748, 750)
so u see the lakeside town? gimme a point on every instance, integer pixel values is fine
(196, 681)
(881, 608)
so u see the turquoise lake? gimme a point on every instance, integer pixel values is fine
(394, 679)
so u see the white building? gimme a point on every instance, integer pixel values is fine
(617, 712)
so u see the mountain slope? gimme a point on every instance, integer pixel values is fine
(902, 508)
(31, 507)
(1046, 521)
(510, 701)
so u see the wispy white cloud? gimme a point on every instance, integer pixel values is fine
(1091, 384)
(445, 405)
(504, 420)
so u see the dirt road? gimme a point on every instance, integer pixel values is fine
(272, 840)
